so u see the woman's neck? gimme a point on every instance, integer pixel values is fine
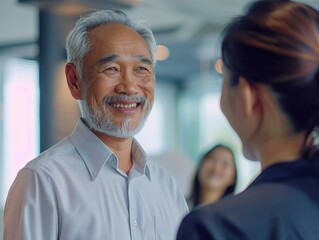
(210, 196)
(280, 150)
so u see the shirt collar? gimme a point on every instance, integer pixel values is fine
(140, 159)
(95, 153)
(286, 170)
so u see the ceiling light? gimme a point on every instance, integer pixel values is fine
(162, 52)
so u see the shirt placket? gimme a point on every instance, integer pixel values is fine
(134, 211)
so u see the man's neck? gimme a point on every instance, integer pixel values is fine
(121, 147)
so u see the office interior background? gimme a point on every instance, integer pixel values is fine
(36, 109)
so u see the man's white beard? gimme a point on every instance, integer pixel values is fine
(100, 120)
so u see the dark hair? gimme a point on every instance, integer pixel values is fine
(196, 188)
(276, 42)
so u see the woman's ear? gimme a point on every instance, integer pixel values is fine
(249, 96)
(73, 80)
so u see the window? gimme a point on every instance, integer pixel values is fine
(20, 118)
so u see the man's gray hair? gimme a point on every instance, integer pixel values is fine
(77, 42)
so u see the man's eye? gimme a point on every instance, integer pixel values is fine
(142, 68)
(111, 69)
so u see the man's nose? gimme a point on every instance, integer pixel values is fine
(127, 84)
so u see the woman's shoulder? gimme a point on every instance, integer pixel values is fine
(236, 217)
(209, 222)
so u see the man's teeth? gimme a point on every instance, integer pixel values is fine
(127, 106)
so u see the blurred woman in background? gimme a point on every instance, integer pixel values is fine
(270, 96)
(215, 177)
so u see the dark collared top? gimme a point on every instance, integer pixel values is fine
(282, 203)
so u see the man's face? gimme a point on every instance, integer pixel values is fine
(118, 80)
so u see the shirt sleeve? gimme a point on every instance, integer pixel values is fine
(30, 212)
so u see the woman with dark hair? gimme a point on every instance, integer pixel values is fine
(270, 96)
(215, 177)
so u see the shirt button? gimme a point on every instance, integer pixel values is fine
(135, 223)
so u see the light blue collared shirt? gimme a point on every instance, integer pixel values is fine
(75, 191)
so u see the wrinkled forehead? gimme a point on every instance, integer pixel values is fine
(117, 35)
(117, 43)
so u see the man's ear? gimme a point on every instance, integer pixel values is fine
(249, 95)
(73, 80)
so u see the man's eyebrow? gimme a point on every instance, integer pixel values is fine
(144, 59)
(113, 57)
(107, 59)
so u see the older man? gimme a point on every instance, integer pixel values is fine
(97, 183)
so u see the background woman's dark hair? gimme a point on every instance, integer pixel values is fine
(276, 42)
(196, 188)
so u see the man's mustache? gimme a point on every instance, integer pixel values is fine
(123, 97)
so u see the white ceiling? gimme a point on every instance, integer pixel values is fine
(189, 28)
(18, 22)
